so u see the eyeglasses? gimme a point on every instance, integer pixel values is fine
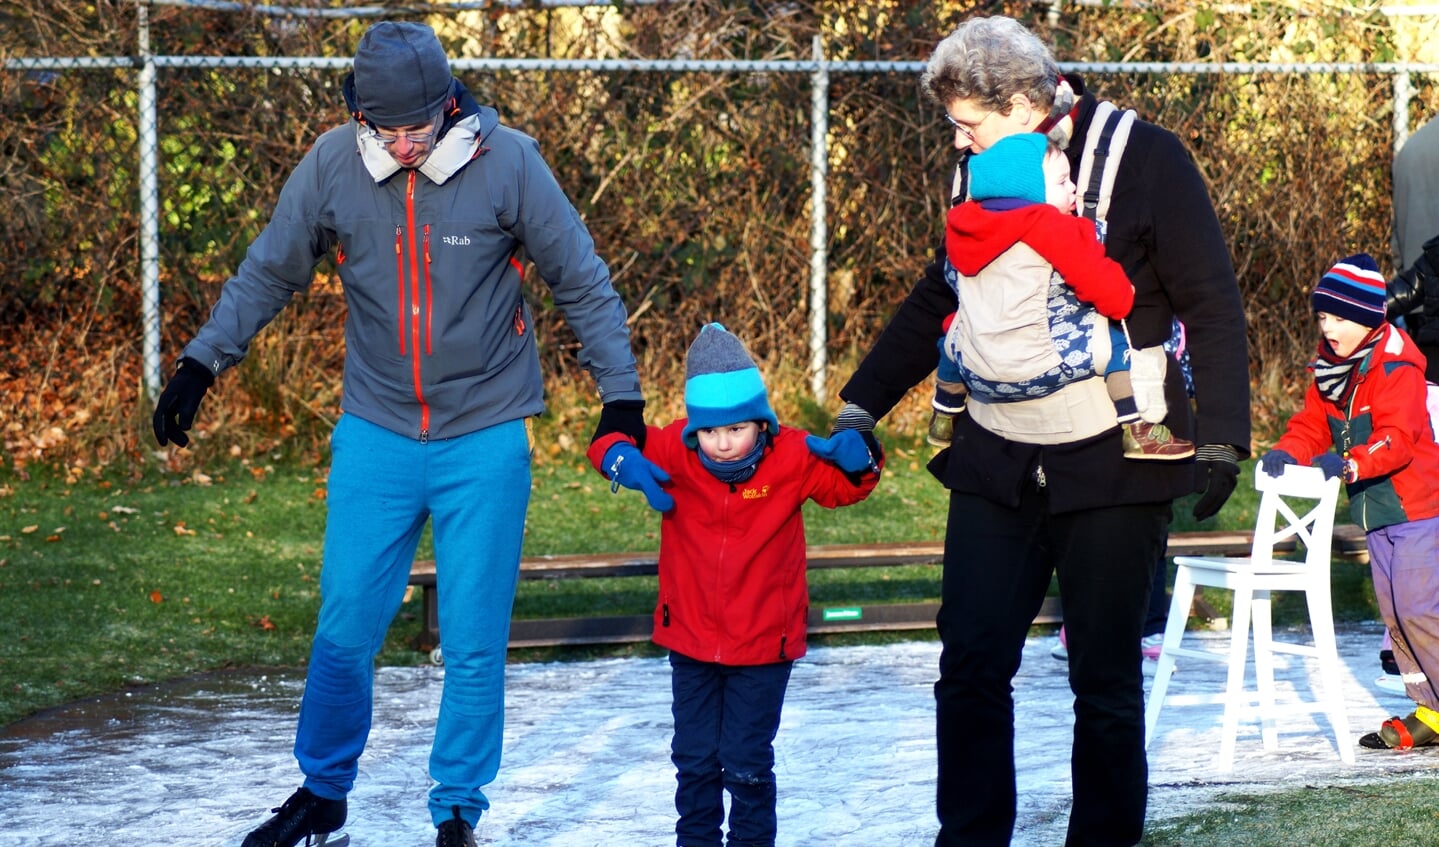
(417, 137)
(965, 129)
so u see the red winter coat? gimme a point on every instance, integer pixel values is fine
(1385, 427)
(732, 558)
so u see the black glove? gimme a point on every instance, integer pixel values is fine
(178, 403)
(626, 417)
(1222, 462)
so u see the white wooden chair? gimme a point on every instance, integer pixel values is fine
(1252, 579)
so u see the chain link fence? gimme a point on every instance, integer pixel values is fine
(772, 166)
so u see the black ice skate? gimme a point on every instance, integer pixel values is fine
(300, 817)
(455, 832)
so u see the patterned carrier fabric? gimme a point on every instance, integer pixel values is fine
(1073, 325)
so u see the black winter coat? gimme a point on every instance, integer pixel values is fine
(1164, 232)
(1413, 295)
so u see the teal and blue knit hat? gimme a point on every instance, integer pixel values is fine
(1353, 290)
(1013, 167)
(722, 385)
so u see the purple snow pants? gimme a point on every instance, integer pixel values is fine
(1405, 561)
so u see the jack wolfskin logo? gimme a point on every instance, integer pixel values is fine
(457, 240)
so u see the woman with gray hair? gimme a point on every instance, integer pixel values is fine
(991, 60)
(1029, 501)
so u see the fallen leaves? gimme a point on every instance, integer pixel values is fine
(34, 528)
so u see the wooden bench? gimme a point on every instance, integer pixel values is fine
(614, 629)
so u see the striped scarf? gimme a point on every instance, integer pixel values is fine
(1334, 376)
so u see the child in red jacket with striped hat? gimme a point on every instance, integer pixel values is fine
(733, 600)
(1364, 418)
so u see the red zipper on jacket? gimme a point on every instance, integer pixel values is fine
(412, 309)
(719, 588)
(400, 289)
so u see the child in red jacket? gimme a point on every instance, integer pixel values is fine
(733, 600)
(1367, 403)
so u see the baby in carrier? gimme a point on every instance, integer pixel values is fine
(1022, 194)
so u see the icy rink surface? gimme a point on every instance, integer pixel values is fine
(586, 761)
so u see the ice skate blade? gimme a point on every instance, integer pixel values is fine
(332, 839)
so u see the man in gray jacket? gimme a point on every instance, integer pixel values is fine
(427, 201)
(1416, 194)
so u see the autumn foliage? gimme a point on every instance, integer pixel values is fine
(695, 184)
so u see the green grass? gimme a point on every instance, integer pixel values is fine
(113, 582)
(1374, 815)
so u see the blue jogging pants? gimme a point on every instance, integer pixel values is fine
(474, 490)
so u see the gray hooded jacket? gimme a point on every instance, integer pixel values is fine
(439, 340)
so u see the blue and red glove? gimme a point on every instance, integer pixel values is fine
(848, 449)
(625, 465)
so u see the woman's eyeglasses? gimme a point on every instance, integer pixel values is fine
(964, 129)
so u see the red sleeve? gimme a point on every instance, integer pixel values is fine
(1307, 434)
(600, 446)
(1398, 405)
(1071, 245)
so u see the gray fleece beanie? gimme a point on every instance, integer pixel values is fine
(402, 76)
(722, 385)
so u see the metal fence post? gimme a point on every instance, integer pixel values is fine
(1403, 94)
(818, 231)
(149, 206)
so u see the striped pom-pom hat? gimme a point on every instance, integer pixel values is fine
(722, 385)
(1353, 290)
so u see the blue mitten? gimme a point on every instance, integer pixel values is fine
(1273, 462)
(625, 465)
(846, 449)
(1331, 463)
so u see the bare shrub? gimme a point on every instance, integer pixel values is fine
(695, 185)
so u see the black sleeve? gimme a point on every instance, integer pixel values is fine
(1191, 261)
(907, 350)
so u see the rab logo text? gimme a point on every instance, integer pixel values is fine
(457, 240)
(755, 493)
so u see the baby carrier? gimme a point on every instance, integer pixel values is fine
(1034, 363)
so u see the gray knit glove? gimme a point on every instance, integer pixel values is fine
(853, 417)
